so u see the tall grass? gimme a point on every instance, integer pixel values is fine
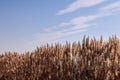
(90, 60)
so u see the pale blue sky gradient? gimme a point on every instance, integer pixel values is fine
(26, 24)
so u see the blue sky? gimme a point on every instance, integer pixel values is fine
(25, 24)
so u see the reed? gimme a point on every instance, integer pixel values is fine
(90, 60)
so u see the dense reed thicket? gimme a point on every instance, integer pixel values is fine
(91, 60)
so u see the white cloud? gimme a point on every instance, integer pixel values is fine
(80, 22)
(74, 26)
(113, 6)
(77, 25)
(55, 35)
(79, 4)
(111, 9)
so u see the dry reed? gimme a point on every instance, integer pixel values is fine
(91, 60)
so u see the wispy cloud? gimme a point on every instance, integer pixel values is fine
(111, 9)
(79, 4)
(113, 6)
(64, 29)
(77, 24)
(55, 35)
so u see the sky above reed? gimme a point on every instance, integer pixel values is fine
(25, 24)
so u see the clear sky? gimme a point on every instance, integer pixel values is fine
(26, 24)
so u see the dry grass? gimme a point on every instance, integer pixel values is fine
(91, 60)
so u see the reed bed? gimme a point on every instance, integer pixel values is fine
(90, 60)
